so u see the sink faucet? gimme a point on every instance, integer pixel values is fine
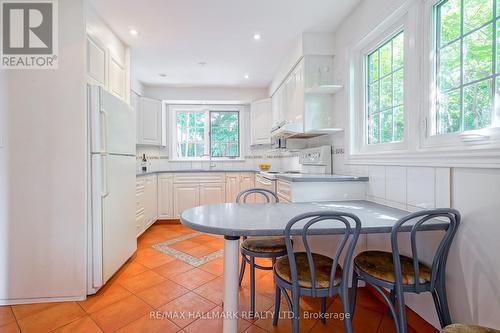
(211, 164)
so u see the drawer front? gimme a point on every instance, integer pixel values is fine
(265, 183)
(284, 190)
(184, 178)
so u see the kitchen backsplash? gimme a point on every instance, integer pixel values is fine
(158, 160)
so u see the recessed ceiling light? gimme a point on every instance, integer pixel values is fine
(133, 32)
(202, 63)
(257, 36)
(162, 75)
(246, 76)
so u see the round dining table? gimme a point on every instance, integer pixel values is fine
(233, 221)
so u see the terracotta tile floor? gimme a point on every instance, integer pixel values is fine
(153, 281)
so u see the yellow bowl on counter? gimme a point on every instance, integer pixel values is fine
(264, 166)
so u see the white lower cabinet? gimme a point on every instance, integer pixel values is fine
(237, 182)
(284, 191)
(146, 208)
(140, 206)
(212, 193)
(185, 196)
(165, 197)
(232, 186)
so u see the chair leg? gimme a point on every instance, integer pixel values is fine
(252, 287)
(401, 309)
(437, 304)
(344, 297)
(354, 290)
(443, 299)
(296, 311)
(277, 303)
(242, 268)
(323, 310)
(392, 310)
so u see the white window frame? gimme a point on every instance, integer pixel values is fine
(481, 139)
(174, 109)
(357, 136)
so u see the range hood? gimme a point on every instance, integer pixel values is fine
(296, 131)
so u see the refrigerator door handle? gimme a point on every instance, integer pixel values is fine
(104, 130)
(105, 177)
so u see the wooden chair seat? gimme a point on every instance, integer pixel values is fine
(379, 264)
(461, 328)
(323, 267)
(264, 244)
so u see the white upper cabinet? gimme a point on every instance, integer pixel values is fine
(149, 122)
(117, 84)
(108, 58)
(96, 62)
(303, 103)
(261, 116)
(279, 104)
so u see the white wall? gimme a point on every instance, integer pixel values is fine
(43, 204)
(473, 268)
(244, 95)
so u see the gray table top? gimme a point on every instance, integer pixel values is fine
(270, 219)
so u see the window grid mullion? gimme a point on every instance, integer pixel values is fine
(392, 86)
(379, 129)
(462, 110)
(494, 55)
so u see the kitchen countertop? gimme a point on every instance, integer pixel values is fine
(270, 219)
(147, 173)
(320, 178)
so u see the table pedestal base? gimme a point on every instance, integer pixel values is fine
(231, 277)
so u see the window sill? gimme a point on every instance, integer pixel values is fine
(473, 157)
(206, 160)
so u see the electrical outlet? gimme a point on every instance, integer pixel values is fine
(2, 140)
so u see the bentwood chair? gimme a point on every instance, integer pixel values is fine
(399, 274)
(258, 247)
(312, 274)
(461, 328)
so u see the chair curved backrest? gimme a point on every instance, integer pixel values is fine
(243, 195)
(350, 225)
(445, 215)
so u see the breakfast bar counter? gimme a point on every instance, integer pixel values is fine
(235, 220)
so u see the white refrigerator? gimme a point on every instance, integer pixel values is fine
(112, 165)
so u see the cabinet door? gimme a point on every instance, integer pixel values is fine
(117, 78)
(151, 198)
(165, 199)
(151, 116)
(295, 95)
(140, 205)
(135, 102)
(232, 186)
(247, 181)
(261, 117)
(185, 196)
(96, 62)
(212, 193)
(278, 106)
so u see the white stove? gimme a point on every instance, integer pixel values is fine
(312, 161)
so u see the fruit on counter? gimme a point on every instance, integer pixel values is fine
(264, 166)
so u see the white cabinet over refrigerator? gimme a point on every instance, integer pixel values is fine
(112, 159)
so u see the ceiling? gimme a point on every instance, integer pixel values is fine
(174, 36)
